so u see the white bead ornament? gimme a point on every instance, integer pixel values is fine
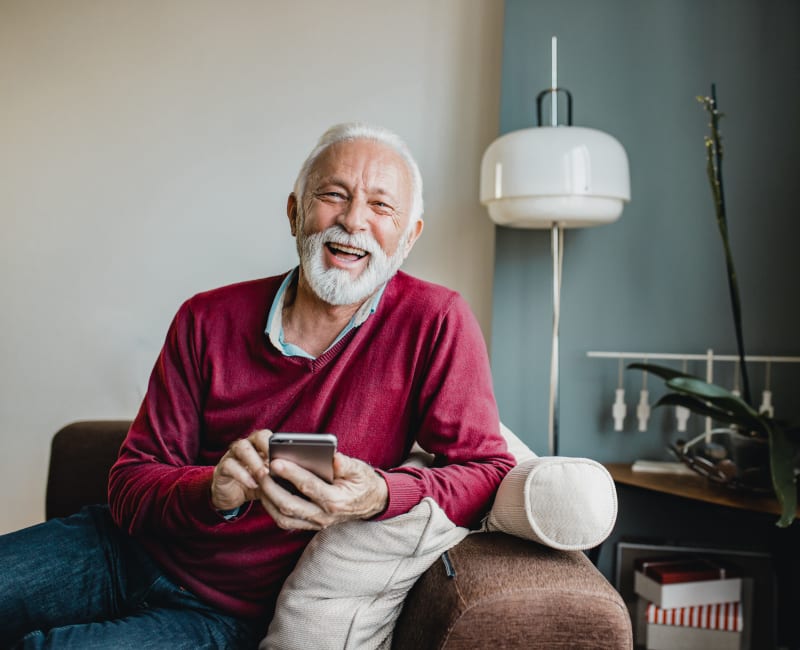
(643, 409)
(766, 407)
(619, 410)
(682, 416)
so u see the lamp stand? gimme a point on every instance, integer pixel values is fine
(557, 249)
(556, 178)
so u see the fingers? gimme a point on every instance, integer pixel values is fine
(310, 510)
(243, 474)
(296, 480)
(253, 451)
(291, 512)
(357, 492)
(348, 468)
(236, 476)
(368, 492)
(230, 468)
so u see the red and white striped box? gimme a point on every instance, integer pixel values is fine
(717, 626)
(718, 616)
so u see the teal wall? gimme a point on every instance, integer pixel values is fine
(655, 280)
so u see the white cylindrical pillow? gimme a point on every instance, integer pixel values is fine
(564, 503)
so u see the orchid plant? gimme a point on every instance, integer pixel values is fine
(710, 400)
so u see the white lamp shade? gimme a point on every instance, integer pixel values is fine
(573, 176)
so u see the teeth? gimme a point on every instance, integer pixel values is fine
(349, 249)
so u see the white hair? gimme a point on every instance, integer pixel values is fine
(360, 131)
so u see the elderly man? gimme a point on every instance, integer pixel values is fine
(199, 536)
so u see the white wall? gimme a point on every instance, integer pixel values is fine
(146, 152)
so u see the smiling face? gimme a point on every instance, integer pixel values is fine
(354, 228)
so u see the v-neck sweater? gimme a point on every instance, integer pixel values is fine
(416, 370)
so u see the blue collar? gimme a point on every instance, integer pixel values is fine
(274, 329)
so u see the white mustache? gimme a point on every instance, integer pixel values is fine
(363, 241)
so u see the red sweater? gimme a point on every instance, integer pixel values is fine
(416, 369)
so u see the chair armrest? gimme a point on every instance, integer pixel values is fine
(80, 456)
(513, 593)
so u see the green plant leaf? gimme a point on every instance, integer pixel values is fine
(717, 395)
(660, 371)
(701, 407)
(781, 457)
(709, 399)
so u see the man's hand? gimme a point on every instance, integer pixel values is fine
(237, 475)
(357, 492)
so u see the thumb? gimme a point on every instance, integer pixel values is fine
(344, 465)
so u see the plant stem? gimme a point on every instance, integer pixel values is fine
(714, 152)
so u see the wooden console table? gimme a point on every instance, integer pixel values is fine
(780, 543)
(693, 487)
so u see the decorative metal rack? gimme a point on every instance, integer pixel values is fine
(709, 357)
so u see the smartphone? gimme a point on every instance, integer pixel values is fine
(312, 451)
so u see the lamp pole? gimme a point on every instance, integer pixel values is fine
(557, 248)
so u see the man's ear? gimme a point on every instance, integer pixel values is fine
(416, 231)
(291, 212)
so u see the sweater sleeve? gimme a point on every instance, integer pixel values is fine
(458, 423)
(156, 483)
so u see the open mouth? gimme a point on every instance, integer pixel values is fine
(345, 252)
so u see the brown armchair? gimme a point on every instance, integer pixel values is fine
(507, 592)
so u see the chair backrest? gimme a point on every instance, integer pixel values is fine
(80, 456)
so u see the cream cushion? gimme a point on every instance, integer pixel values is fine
(565, 503)
(348, 588)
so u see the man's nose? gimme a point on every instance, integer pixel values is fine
(355, 217)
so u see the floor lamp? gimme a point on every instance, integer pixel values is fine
(555, 177)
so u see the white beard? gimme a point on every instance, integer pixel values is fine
(336, 286)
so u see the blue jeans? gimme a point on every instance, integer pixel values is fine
(80, 582)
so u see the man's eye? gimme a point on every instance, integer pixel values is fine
(331, 196)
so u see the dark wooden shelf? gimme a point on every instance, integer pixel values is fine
(693, 487)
